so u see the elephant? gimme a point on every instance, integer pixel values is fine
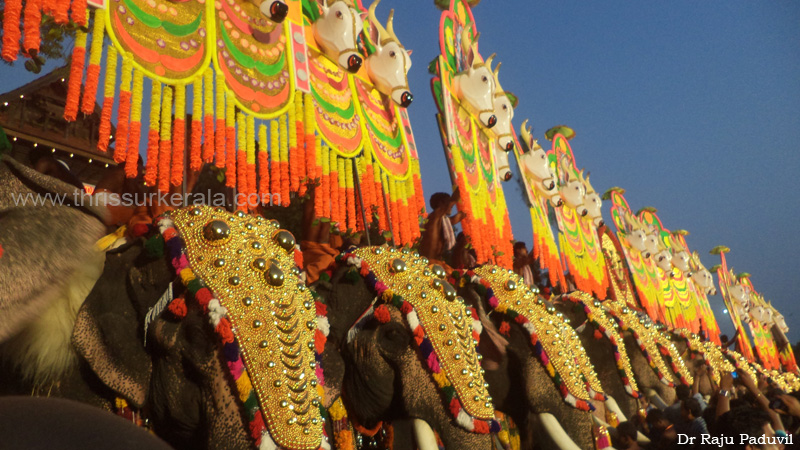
(386, 377)
(519, 377)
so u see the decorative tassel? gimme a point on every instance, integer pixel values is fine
(151, 168)
(109, 90)
(380, 197)
(219, 157)
(78, 12)
(284, 161)
(132, 158)
(11, 34)
(230, 141)
(75, 74)
(32, 21)
(251, 159)
(241, 161)
(263, 161)
(208, 116)
(166, 141)
(178, 136)
(342, 173)
(196, 144)
(123, 111)
(274, 164)
(93, 72)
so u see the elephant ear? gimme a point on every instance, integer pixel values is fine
(109, 332)
(42, 245)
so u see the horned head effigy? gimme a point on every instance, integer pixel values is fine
(336, 31)
(680, 255)
(537, 166)
(701, 276)
(636, 234)
(572, 191)
(388, 65)
(504, 104)
(593, 202)
(474, 86)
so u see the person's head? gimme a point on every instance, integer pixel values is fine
(520, 249)
(691, 409)
(461, 238)
(656, 420)
(683, 392)
(440, 200)
(626, 433)
(724, 338)
(750, 421)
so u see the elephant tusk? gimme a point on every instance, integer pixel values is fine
(425, 438)
(656, 399)
(556, 432)
(614, 407)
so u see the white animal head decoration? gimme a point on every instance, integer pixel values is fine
(274, 10)
(388, 66)
(780, 321)
(662, 257)
(536, 163)
(739, 293)
(571, 189)
(504, 111)
(680, 256)
(593, 202)
(701, 276)
(635, 234)
(501, 162)
(474, 87)
(336, 31)
(652, 242)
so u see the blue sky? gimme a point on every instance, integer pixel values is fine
(692, 107)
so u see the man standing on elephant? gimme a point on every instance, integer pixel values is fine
(439, 237)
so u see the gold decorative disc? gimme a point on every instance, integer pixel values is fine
(249, 265)
(443, 317)
(559, 340)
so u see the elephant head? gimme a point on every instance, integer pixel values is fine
(539, 345)
(232, 362)
(407, 348)
(603, 341)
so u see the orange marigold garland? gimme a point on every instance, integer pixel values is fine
(165, 146)
(293, 155)
(132, 159)
(78, 12)
(11, 34)
(380, 200)
(123, 111)
(241, 162)
(93, 71)
(263, 161)
(284, 161)
(32, 21)
(109, 90)
(219, 157)
(333, 185)
(313, 162)
(208, 116)
(196, 141)
(274, 165)
(321, 194)
(343, 216)
(151, 168)
(75, 74)
(301, 144)
(251, 158)
(61, 12)
(178, 136)
(230, 140)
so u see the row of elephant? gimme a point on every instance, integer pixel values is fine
(203, 325)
